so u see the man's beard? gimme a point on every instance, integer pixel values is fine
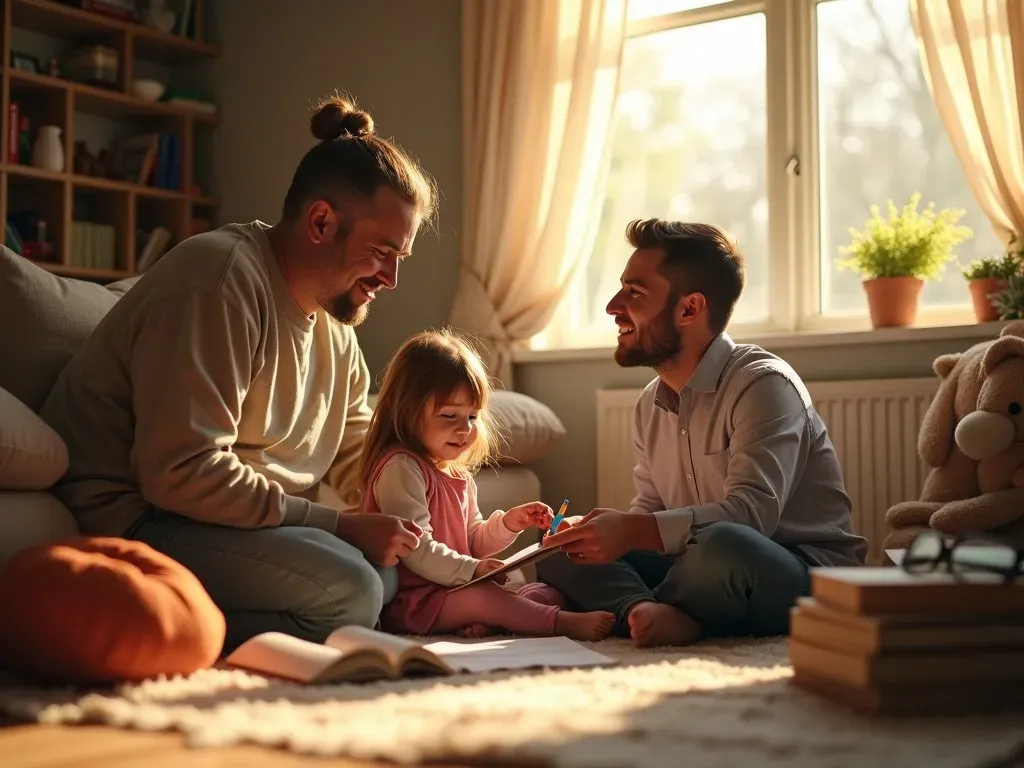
(654, 345)
(343, 309)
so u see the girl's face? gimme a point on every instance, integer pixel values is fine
(447, 429)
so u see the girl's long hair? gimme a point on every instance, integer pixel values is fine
(430, 364)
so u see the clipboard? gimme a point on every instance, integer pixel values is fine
(532, 554)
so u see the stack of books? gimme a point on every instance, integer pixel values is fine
(887, 642)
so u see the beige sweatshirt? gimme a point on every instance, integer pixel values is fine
(207, 392)
(401, 490)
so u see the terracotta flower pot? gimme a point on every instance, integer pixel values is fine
(893, 301)
(980, 289)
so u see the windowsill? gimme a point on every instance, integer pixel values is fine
(794, 340)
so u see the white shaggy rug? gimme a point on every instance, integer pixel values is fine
(713, 704)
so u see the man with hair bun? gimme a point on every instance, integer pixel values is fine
(217, 412)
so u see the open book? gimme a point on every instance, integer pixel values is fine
(356, 654)
(532, 554)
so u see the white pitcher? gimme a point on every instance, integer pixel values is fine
(48, 151)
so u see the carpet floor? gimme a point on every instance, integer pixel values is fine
(710, 705)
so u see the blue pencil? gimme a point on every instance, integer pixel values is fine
(559, 516)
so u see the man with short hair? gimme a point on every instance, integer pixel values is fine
(738, 487)
(217, 412)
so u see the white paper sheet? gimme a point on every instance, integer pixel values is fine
(516, 653)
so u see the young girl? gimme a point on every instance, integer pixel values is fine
(429, 432)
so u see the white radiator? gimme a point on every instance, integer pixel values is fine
(873, 425)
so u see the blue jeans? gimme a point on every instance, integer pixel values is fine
(732, 580)
(300, 581)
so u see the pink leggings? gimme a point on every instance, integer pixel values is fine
(530, 610)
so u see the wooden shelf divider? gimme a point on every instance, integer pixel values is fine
(123, 204)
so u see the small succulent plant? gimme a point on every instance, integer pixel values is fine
(1009, 302)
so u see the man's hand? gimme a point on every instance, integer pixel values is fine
(383, 539)
(486, 566)
(606, 535)
(533, 513)
(567, 522)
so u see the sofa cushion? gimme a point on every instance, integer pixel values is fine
(31, 518)
(530, 426)
(89, 610)
(53, 317)
(32, 455)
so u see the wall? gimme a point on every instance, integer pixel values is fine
(401, 61)
(400, 58)
(569, 387)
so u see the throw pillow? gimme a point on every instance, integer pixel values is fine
(530, 426)
(32, 455)
(48, 318)
(31, 518)
(101, 610)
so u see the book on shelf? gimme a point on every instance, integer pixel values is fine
(134, 157)
(358, 654)
(531, 554)
(155, 247)
(93, 245)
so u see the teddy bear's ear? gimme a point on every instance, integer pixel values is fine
(935, 437)
(1002, 348)
(1016, 328)
(943, 364)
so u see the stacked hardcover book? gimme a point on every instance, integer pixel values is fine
(889, 642)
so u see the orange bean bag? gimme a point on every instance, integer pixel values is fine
(91, 610)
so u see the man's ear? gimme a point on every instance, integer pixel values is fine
(320, 221)
(689, 307)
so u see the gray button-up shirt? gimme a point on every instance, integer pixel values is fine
(742, 442)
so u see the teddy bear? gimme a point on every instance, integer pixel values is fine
(972, 437)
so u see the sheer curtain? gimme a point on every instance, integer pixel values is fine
(972, 53)
(539, 86)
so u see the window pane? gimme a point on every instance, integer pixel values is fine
(643, 9)
(688, 144)
(881, 137)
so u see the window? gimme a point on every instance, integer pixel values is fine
(880, 137)
(718, 121)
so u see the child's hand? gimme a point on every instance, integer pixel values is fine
(533, 513)
(486, 566)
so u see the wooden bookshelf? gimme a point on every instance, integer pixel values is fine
(58, 197)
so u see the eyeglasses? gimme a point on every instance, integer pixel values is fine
(932, 552)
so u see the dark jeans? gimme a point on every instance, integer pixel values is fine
(303, 582)
(731, 580)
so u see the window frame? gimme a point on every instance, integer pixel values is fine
(794, 252)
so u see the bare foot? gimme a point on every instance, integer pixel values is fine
(652, 624)
(594, 625)
(475, 630)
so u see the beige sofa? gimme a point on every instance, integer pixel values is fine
(45, 318)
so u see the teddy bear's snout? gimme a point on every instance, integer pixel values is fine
(983, 434)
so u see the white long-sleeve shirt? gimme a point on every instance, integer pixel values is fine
(401, 490)
(742, 442)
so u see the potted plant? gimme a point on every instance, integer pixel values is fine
(1009, 301)
(896, 255)
(987, 277)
